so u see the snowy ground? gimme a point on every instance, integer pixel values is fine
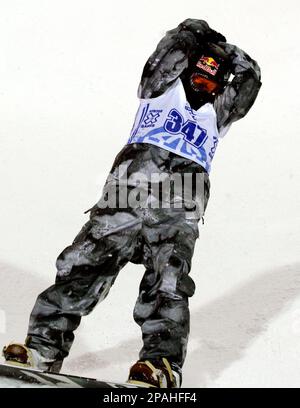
(69, 74)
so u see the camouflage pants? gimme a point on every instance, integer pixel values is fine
(161, 239)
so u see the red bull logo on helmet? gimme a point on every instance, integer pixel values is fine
(208, 64)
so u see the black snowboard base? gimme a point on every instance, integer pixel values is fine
(47, 379)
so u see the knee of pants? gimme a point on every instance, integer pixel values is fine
(77, 254)
(175, 279)
(186, 285)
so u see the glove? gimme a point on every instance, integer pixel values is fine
(201, 31)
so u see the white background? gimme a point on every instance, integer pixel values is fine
(69, 72)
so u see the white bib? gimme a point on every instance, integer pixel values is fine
(169, 122)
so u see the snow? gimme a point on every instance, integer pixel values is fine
(69, 79)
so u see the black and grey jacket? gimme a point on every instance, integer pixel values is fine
(172, 56)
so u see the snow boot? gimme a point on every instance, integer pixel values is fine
(155, 373)
(22, 356)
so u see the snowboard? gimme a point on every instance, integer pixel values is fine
(46, 379)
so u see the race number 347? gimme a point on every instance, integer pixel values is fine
(191, 132)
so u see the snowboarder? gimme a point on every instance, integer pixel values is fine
(193, 87)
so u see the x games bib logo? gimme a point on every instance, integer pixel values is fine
(151, 118)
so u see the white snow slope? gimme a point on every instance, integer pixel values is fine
(69, 73)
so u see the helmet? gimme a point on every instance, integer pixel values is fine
(207, 74)
(211, 71)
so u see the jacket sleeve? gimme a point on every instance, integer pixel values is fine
(239, 95)
(172, 54)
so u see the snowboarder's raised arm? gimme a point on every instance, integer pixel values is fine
(239, 95)
(172, 55)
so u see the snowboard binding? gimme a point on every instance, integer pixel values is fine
(18, 354)
(157, 373)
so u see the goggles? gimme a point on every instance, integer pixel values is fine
(199, 83)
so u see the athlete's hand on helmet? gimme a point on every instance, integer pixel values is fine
(173, 53)
(201, 31)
